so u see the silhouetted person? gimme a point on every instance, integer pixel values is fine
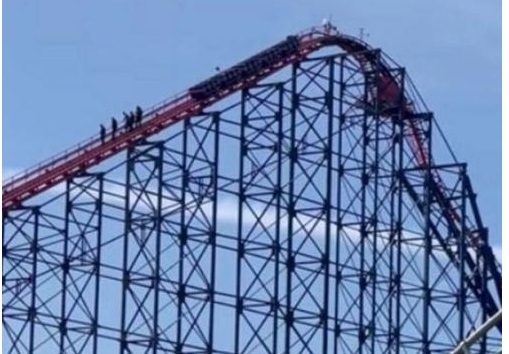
(126, 118)
(139, 114)
(113, 126)
(132, 119)
(103, 134)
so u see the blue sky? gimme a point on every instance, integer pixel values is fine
(69, 66)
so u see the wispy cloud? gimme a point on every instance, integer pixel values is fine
(228, 212)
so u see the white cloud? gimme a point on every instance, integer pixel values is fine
(227, 212)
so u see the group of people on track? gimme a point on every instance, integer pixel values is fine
(131, 120)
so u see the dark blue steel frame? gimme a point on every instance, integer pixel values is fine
(342, 242)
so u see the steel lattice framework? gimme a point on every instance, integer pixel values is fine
(302, 213)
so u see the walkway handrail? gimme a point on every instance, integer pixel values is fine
(84, 145)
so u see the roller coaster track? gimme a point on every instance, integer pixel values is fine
(92, 151)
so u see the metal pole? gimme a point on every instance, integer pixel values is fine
(478, 333)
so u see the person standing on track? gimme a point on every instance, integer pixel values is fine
(128, 120)
(113, 126)
(139, 115)
(103, 134)
(132, 119)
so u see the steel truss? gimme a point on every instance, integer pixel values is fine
(293, 217)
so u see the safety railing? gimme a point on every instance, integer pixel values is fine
(84, 146)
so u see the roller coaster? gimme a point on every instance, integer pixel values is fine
(290, 203)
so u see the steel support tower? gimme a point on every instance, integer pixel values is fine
(311, 208)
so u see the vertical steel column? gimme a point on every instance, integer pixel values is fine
(462, 240)
(182, 239)
(427, 247)
(374, 217)
(65, 266)
(290, 262)
(123, 348)
(32, 311)
(393, 306)
(393, 255)
(363, 276)
(485, 290)
(326, 261)
(339, 226)
(277, 242)
(158, 218)
(399, 211)
(214, 231)
(239, 307)
(97, 265)
(278, 193)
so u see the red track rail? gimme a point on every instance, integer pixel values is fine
(92, 151)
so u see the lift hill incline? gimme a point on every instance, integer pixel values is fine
(190, 102)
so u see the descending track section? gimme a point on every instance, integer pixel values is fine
(292, 200)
